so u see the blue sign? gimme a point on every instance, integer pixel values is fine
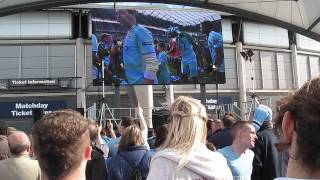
(22, 109)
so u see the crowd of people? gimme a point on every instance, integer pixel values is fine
(138, 58)
(64, 145)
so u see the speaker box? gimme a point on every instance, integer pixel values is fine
(37, 114)
(159, 117)
(80, 110)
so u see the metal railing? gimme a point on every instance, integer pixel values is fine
(215, 111)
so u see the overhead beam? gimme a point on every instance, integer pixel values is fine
(197, 3)
(314, 24)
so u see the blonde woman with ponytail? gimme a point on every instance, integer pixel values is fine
(183, 155)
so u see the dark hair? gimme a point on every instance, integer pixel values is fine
(228, 120)
(239, 125)
(209, 122)
(126, 121)
(161, 134)
(162, 45)
(304, 105)
(3, 128)
(60, 139)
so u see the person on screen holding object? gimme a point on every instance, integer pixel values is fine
(96, 60)
(164, 72)
(215, 44)
(139, 55)
(185, 44)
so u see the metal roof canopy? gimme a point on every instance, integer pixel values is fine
(300, 16)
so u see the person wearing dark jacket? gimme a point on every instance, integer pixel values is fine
(268, 163)
(96, 167)
(132, 155)
(223, 137)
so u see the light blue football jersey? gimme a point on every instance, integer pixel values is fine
(215, 41)
(138, 42)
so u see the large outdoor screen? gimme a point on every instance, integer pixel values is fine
(166, 46)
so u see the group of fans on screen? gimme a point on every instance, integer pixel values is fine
(139, 59)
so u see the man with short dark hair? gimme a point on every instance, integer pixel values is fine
(4, 148)
(62, 145)
(19, 166)
(238, 155)
(223, 137)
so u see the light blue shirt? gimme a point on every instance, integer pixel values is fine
(215, 41)
(240, 165)
(186, 47)
(94, 42)
(138, 42)
(113, 146)
(94, 50)
(164, 72)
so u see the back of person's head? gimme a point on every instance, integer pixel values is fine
(228, 120)
(299, 121)
(61, 143)
(216, 125)
(126, 121)
(3, 128)
(161, 134)
(162, 45)
(93, 130)
(187, 127)
(209, 123)
(137, 122)
(131, 136)
(11, 130)
(19, 143)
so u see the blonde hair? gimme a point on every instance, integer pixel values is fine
(187, 127)
(132, 136)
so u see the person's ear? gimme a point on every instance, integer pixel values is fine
(288, 126)
(87, 153)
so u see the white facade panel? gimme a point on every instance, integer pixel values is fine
(37, 25)
(305, 43)
(265, 35)
(304, 70)
(226, 30)
(314, 66)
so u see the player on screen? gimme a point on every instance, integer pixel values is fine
(164, 72)
(139, 55)
(215, 43)
(189, 59)
(104, 48)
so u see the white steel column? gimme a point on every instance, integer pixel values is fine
(241, 77)
(169, 94)
(80, 72)
(295, 66)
